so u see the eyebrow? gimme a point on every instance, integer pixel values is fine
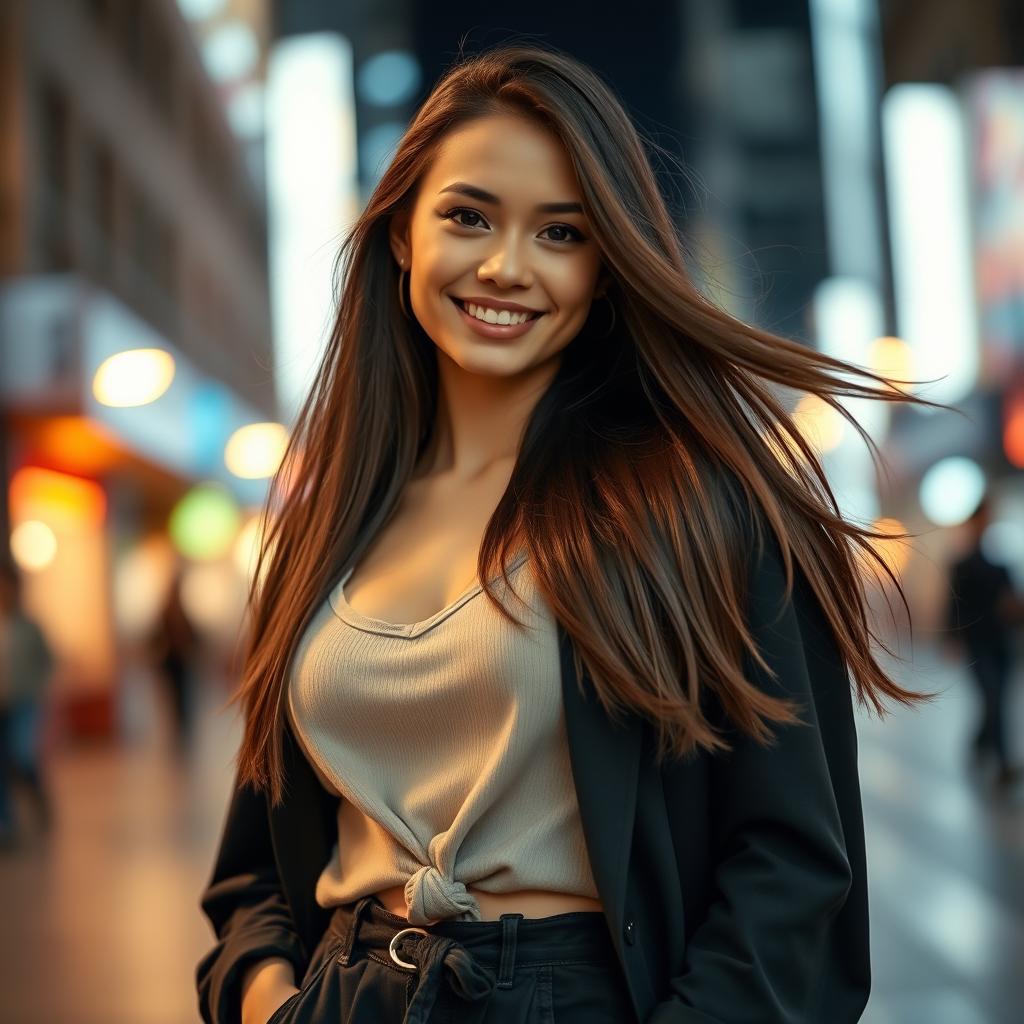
(483, 196)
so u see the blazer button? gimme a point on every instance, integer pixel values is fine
(630, 931)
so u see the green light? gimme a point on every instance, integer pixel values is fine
(205, 522)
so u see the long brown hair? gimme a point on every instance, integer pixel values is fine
(638, 467)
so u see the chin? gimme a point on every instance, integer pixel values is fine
(490, 364)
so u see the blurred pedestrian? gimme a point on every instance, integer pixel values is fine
(173, 644)
(983, 607)
(26, 668)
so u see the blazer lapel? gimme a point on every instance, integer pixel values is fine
(605, 760)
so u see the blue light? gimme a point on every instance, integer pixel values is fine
(951, 490)
(388, 79)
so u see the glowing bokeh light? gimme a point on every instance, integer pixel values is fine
(891, 358)
(204, 523)
(33, 545)
(255, 451)
(136, 376)
(895, 551)
(1003, 542)
(389, 78)
(1013, 431)
(77, 443)
(64, 501)
(820, 424)
(951, 489)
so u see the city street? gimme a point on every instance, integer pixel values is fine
(136, 830)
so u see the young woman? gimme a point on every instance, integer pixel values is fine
(548, 700)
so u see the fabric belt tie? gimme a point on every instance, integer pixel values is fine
(437, 956)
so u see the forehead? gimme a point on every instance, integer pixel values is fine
(519, 160)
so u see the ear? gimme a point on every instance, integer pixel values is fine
(398, 235)
(603, 284)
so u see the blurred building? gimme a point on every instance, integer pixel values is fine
(161, 179)
(129, 221)
(941, 40)
(952, 111)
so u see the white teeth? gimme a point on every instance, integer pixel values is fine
(494, 316)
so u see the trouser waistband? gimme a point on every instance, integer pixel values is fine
(472, 957)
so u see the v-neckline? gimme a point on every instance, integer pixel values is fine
(347, 613)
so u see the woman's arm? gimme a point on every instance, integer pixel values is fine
(785, 938)
(250, 916)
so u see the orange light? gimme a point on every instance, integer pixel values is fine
(77, 443)
(894, 551)
(891, 358)
(60, 500)
(1013, 431)
(820, 424)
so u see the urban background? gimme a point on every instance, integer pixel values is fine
(175, 179)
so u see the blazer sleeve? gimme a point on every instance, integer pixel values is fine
(785, 937)
(247, 908)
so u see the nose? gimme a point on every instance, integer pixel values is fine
(507, 267)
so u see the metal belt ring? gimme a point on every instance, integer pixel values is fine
(395, 938)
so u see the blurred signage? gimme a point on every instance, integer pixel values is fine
(995, 101)
(56, 332)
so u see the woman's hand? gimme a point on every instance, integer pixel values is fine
(265, 987)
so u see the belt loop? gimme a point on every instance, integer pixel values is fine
(507, 961)
(353, 927)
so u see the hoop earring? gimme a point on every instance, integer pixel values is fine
(401, 292)
(611, 326)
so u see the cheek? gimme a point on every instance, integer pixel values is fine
(437, 253)
(575, 290)
(437, 260)
(432, 274)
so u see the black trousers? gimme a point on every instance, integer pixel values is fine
(373, 967)
(991, 669)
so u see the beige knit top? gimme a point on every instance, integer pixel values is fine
(446, 740)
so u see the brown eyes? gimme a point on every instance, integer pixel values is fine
(455, 215)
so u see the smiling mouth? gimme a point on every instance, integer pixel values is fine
(465, 308)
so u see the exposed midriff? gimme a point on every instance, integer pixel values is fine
(528, 902)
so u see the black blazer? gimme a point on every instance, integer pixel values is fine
(734, 886)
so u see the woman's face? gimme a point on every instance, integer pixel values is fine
(477, 231)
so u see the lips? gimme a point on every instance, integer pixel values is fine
(495, 332)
